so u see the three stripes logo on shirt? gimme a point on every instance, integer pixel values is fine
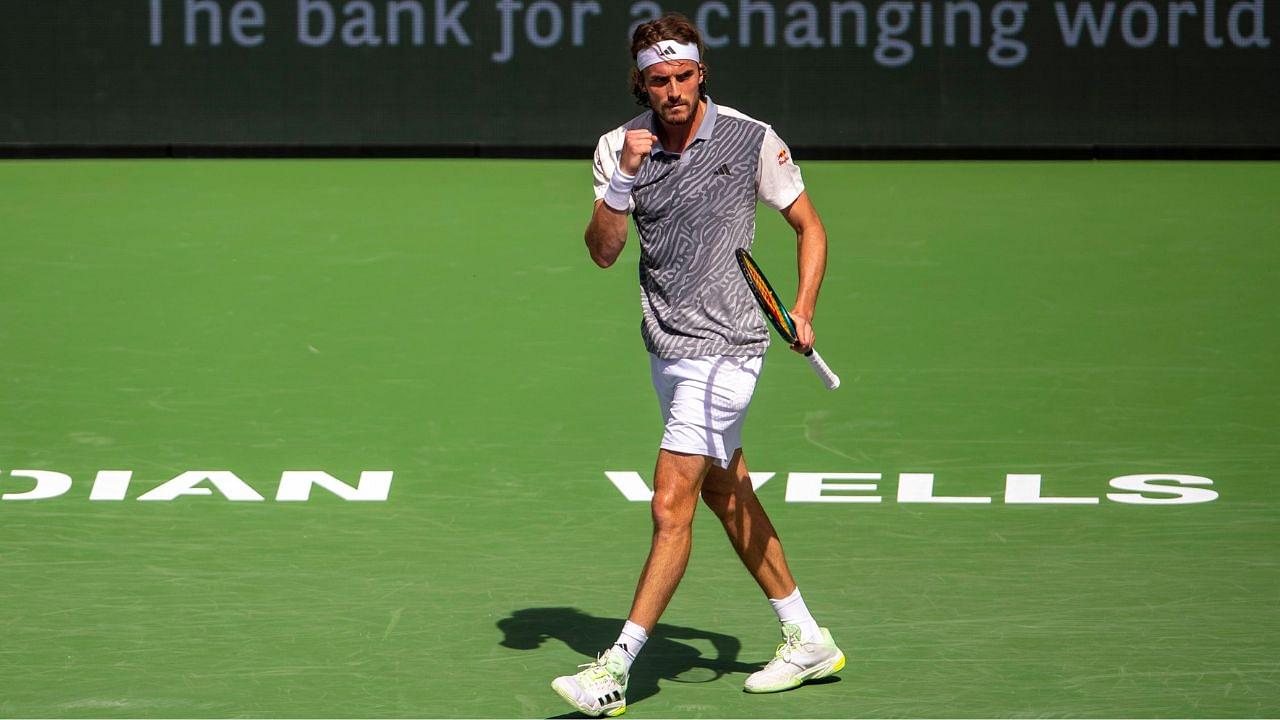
(722, 170)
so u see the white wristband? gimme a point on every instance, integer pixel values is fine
(618, 196)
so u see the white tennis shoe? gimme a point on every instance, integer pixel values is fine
(797, 662)
(600, 689)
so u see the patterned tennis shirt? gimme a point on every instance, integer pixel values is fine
(691, 211)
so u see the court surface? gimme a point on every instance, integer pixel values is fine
(441, 320)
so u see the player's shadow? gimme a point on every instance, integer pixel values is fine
(663, 658)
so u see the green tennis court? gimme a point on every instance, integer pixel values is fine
(441, 320)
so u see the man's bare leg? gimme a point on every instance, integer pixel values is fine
(677, 481)
(810, 652)
(728, 492)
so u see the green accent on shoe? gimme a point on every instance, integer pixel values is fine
(795, 663)
(599, 689)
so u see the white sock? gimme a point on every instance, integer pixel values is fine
(633, 638)
(792, 611)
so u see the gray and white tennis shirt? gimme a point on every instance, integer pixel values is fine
(692, 210)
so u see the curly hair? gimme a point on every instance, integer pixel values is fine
(672, 26)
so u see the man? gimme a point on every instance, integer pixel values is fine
(690, 172)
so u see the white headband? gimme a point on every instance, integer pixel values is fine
(667, 50)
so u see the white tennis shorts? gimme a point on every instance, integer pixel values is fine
(704, 402)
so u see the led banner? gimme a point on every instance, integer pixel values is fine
(553, 73)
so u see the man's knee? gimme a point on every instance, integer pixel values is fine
(677, 481)
(672, 511)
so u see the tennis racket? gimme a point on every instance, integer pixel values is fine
(778, 315)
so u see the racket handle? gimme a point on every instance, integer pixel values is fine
(830, 379)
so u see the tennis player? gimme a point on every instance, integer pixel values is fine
(689, 172)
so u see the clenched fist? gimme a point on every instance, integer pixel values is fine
(635, 148)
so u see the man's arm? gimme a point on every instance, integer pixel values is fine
(606, 234)
(811, 260)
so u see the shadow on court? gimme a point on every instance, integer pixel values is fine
(664, 657)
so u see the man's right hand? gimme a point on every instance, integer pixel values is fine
(635, 148)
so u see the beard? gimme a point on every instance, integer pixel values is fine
(682, 114)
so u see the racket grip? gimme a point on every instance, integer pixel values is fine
(830, 379)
